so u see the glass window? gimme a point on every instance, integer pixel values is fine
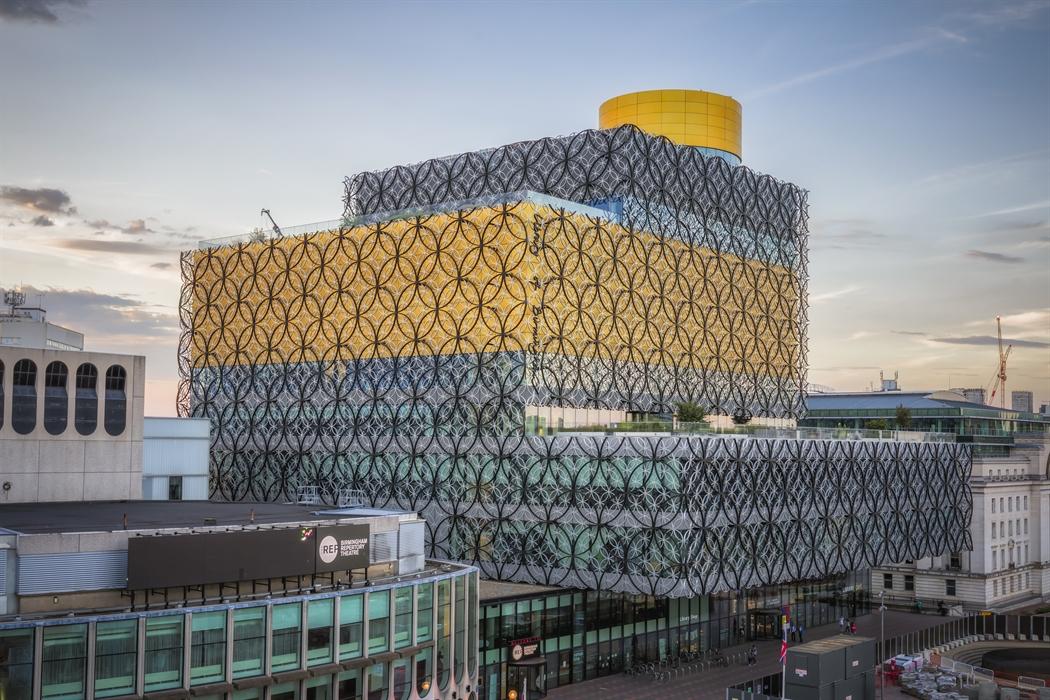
(887, 581)
(174, 488)
(1, 394)
(208, 647)
(16, 660)
(472, 623)
(949, 586)
(401, 678)
(116, 644)
(116, 400)
(163, 652)
(424, 613)
(424, 670)
(319, 688)
(909, 582)
(319, 632)
(85, 409)
(287, 625)
(348, 684)
(249, 641)
(377, 679)
(461, 627)
(285, 691)
(23, 397)
(64, 662)
(993, 505)
(350, 624)
(444, 632)
(56, 398)
(403, 617)
(378, 623)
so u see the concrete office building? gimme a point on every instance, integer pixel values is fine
(239, 601)
(175, 458)
(27, 326)
(481, 338)
(1023, 401)
(70, 425)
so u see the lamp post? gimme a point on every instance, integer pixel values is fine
(882, 646)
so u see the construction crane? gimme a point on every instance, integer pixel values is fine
(276, 228)
(999, 379)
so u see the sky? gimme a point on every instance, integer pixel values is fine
(131, 130)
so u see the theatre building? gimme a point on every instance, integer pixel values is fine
(178, 599)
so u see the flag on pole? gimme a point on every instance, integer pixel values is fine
(783, 651)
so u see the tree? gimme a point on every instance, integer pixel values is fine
(689, 412)
(903, 418)
(877, 424)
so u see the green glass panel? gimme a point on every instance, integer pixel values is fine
(116, 644)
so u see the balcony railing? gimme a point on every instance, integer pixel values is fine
(703, 429)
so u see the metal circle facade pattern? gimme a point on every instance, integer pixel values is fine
(398, 355)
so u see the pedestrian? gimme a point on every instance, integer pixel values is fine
(842, 624)
(801, 629)
(752, 656)
(791, 630)
(853, 627)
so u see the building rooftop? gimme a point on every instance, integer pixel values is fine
(893, 399)
(499, 590)
(108, 516)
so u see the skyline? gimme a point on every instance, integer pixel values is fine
(922, 134)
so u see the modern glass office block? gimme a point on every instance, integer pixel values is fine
(285, 691)
(319, 688)
(16, 664)
(287, 628)
(208, 647)
(401, 678)
(319, 631)
(378, 622)
(350, 626)
(64, 662)
(163, 657)
(403, 617)
(116, 646)
(249, 641)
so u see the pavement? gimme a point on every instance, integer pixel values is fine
(711, 684)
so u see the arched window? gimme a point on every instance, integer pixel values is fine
(56, 398)
(23, 397)
(116, 400)
(86, 410)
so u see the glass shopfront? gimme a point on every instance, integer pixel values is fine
(588, 634)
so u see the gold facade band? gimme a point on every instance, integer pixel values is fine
(687, 117)
(514, 278)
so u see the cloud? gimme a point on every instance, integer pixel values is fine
(33, 10)
(908, 332)
(859, 335)
(1033, 206)
(161, 266)
(994, 257)
(123, 247)
(42, 199)
(879, 55)
(991, 340)
(136, 226)
(42, 221)
(845, 233)
(98, 314)
(834, 294)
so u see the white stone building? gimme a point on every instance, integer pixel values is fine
(1009, 565)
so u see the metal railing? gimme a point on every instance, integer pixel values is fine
(701, 429)
(953, 632)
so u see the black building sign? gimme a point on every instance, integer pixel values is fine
(342, 548)
(223, 557)
(525, 649)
